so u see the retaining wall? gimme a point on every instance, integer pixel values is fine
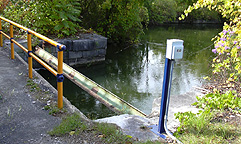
(88, 48)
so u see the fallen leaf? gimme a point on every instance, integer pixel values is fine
(72, 132)
(129, 136)
(101, 136)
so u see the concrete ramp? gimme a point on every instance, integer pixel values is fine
(135, 126)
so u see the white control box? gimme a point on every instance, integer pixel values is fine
(174, 49)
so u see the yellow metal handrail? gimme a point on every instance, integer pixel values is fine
(58, 73)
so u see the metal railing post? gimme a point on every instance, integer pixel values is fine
(60, 77)
(1, 36)
(11, 37)
(30, 61)
(61, 48)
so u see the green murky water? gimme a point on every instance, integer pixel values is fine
(136, 73)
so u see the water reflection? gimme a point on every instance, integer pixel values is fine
(135, 74)
(148, 63)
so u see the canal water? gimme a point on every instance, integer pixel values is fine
(135, 73)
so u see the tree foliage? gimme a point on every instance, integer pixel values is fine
(227, 64)
(45, 16)
(202, 14)
(118, 20)
(161, 11)
(3, 4)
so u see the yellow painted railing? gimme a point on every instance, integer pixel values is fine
(58, 73)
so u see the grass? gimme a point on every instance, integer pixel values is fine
(45, 97)
(212, 133)
(74, 125)
(151, 142)
(111, 133)
(68, 125)
(54, 110)
(33, 86)
(206, 126)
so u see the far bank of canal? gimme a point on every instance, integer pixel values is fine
(135, 74)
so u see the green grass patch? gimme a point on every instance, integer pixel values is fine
(33, 86)
(205, 126)
(152, 142)
(69, 124)
(212, 133)
(74, 125)
(54, 110)
(111, 133)
(227, 101)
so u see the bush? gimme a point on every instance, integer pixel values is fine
(3, 4)
(207, 126)
(45, 16)
(161, 11)
(198, 14)
(227, 101)
(120, 21)
(227, 64)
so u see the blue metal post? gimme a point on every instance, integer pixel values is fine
(165, 87)
(159, 129)
(174, 51)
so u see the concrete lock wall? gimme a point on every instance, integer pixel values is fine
(88, 48)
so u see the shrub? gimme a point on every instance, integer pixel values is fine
(45, 16)
(227, 64)
(227, 101)
(161, 11)
(120, 21)
(207, 126)
(3, 4)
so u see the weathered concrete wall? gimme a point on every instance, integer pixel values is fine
(88, 48)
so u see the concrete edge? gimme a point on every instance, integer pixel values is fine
(70, 108)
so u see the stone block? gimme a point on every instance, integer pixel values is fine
(55, 54)
(83, 45)
(100, 43)
(90, 54)
(101, 52)
(68, 43)
(66, 54)
(74, 55)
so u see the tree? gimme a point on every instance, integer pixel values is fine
(227, 64)
(161, 11)
(45, 16)
(120, 20)
(3, 4)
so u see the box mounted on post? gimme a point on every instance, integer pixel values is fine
(174, 49)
